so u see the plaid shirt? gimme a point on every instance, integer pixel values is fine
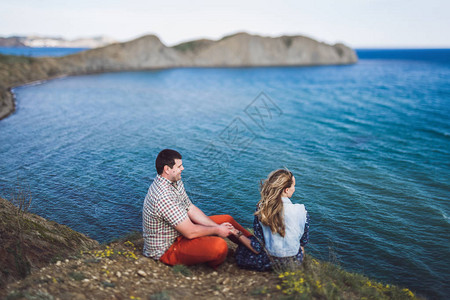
(165, 206)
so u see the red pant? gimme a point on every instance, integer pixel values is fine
(206, 249)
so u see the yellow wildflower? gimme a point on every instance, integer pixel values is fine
(318, 284)
(408, 292)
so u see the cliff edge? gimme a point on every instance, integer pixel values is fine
(41, 259)
(29, 242)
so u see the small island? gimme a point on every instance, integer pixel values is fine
(149, 53)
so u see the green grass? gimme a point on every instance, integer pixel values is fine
(189, 46)
(182, 270)
(12, 59)
(322, 280)
(38, 295)
(163, 295)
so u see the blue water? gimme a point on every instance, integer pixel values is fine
(369, 145)
(39, 51)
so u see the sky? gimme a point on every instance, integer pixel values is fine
(357, 23)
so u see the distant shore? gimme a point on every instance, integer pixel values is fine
(149, 53)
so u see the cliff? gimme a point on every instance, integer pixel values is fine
(29, 242)
(41, 259)
(148, 52)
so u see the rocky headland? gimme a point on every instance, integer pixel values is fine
(148, 52)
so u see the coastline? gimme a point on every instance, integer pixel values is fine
(8, 103)
(149, 53)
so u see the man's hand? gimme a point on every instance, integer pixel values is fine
(228, 225)
(224, 230)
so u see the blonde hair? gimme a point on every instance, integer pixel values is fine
(270, 207)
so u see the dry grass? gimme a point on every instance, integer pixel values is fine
(322, 280)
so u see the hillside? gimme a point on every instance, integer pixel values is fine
(29, 242)
(65, 264)
(148, 52)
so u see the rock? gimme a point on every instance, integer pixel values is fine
(58, 263)
(118, 274)
(142, 260)
(141, 273)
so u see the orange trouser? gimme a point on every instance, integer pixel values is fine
(206, 249)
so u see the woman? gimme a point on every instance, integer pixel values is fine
(280, 227)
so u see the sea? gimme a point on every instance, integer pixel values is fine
(368, 144)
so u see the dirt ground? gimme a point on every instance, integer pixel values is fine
(120, 271)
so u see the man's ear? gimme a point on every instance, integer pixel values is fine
(166, 169)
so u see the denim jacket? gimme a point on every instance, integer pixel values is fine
(294, 220)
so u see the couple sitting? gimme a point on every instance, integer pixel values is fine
(177, 232)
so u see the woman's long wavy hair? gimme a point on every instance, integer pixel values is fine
(270, 207)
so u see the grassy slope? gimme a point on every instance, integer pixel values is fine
(115, 271)
(29, 242)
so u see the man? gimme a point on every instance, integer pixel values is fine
(175, 230)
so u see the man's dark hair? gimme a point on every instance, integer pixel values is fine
(166, 158)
